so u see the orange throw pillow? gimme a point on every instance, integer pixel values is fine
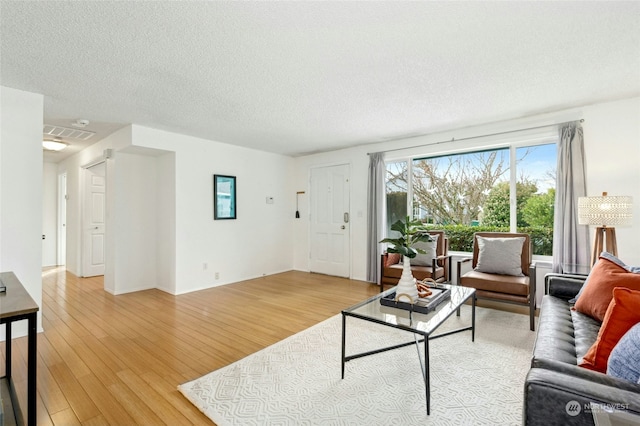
(621, 315)
(598, 289)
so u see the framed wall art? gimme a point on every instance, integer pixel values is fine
(224, 194)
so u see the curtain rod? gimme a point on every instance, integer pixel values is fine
(480, 136)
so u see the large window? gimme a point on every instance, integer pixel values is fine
(508, 189)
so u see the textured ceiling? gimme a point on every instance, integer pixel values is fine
(301, 77)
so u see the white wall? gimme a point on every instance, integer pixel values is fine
(134, 223)
(612, 145)
(50, 214)
(166, 222)
(258, 242)
(21, 192)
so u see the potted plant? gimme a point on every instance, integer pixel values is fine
(411, 232)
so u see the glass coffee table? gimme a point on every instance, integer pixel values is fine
(422, 326)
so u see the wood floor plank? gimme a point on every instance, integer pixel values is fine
(47, 351)
(49, 391)
(110, 407)
(105, 372)
(168, 389)
(65, 418)
(152, 398)
(108, 356)
(43, 417)
(78, 399)
(68, 353)
(134, 406)
(96, 421)
(114, 360)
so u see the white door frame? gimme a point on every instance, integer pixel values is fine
(350, 227)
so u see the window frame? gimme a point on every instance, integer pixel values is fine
(511, 143)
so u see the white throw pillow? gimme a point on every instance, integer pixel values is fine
(430, 249)
(500, 255)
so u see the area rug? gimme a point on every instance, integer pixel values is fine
(297, 381)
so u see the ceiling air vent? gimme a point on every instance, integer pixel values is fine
(66, 133)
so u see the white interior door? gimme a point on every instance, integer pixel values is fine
(62, 219)
(93, 247)
(330, 239)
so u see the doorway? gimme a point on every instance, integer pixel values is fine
(330, 221)
(93, 219)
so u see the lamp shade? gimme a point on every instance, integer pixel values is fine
(605, 210)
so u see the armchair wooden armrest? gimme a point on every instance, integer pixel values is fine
(532, 285)
(443, 260)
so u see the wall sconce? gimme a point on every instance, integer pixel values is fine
(605, 212)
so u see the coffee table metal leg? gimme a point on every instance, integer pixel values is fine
(473, 318)
(427, 380)
(424, 366)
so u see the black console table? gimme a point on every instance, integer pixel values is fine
(17, 305)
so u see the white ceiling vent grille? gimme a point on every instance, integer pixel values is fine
(66, 133)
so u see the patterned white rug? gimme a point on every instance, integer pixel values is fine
(297, 381)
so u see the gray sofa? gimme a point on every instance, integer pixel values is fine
(557, 391)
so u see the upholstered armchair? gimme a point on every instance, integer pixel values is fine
(502, 269)
(436, 267)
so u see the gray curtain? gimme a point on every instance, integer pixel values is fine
(570, 240)
(375, 214)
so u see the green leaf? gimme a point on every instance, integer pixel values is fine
(399, 227)
(403, 251)
(394, 241)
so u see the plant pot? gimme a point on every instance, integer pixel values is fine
(406, 291)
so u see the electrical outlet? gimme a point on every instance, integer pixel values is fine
(217, 275)
(205, 266)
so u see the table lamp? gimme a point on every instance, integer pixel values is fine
(605, 211)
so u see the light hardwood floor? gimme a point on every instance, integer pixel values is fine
(105, 359)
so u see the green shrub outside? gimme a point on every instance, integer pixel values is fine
(461, 236)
